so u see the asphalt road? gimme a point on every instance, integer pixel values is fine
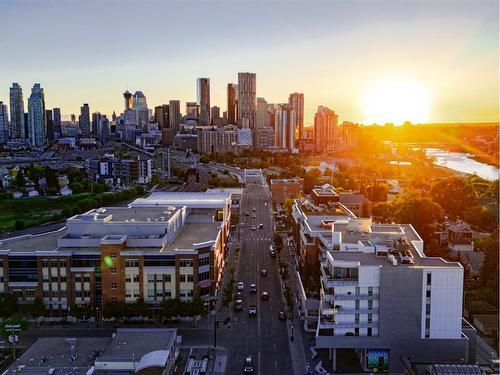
(263, 337)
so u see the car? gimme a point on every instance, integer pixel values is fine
(238, 307)
(254, 209)
(265, 296)
(253, 227)
(247, 214)
(238, 298)
(252, 310)
(248, 367)
(282, 315)
(253, 288)
(261, 226)
(253, 216)
(240, 286)
(263, 272)
(273, 254)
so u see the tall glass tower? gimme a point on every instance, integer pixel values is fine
(16, 129)
(37, 121)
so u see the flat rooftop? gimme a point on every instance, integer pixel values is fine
(120, 214)
(65, 355)
(29, 243)
(297, 180)
(178, 199)
(193, 233)
(136, 342)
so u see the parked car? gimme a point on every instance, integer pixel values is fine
(252, 310)
(273, 254)
(248, 367)
(405, 257)
(240, 286)
(253, 216)
(253, 288)
(261, 226)
(254, 209)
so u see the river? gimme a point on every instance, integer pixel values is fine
(462, 162)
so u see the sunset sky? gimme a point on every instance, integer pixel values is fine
(437, 57)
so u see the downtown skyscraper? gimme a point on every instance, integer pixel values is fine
(17, 129)
(203, 98)
(325, 129)
(247, 100)
(232, 103)
(84, 121)
(296, 100)
(4, 124)
(37, 121)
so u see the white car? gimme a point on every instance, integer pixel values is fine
(240, 286)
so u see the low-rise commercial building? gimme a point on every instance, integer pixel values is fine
(114, 171)
(169, 245)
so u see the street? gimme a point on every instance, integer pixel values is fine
(263, 337)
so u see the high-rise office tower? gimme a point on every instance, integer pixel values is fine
(96, 116)
(4, 124)
(214, 112)
(56, 112)
(232, 103)
(50, 125)
(261, 116)
(192, 110)
(174, 110)
(84, 120)
(247, 100)
(103, 129)
(140, 106)
(325, 129)
(296, 100)
(17, 125)
(127, 97)
(161, 116)
(37, 121)
(203, 97)
(284, 119)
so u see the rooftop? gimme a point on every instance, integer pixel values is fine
(193, 233)
(295, 180)
(27, 243)
(179, 199)
(120, 214)
(65, 355)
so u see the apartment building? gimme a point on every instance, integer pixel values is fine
(114, 171)
(283, 188)
(169, 245)
(378, 294)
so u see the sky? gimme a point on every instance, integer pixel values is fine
(332, 51)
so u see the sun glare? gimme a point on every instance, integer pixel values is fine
(396, 102)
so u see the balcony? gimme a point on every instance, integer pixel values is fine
(331, 281)
(331, 307)
(353, 296)
(325, 324)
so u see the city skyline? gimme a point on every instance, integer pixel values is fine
(459, 83)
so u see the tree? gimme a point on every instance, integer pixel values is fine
(453, 195)
(170, 308)
(287, 206)
(20, 181)
(383, 212)
(311, 179)
(8, 305)
(19, 224)
(422, 213)
(481, 217)
(114, 309)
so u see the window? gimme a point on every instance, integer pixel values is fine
(186, 263)
(132, 263)
(113, 269)
(427, 294)
(204, 262)
(86, 293)
(369, 331)
(189, 278)
(62, 279)
(113, 285)
(151, 277)
(86, 278)
(78, 293)
(78, 278)
(189, 293)
(356, 331)
(45, 278)
(167, 278)
(45, 263)
(62, 263)
(370, 304)
(427, 323)
(429, 279)
(112, 255)
(128, 278)
(45, 293)
(151, 293)
(370, 290)
(182, 278)
(114, 299)
(204, 276)
(356, 318)
(370, 318)
(428, 309)
(54, 279)
(53, 263)
(167, 294)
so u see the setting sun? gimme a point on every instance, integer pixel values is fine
(396, 102)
